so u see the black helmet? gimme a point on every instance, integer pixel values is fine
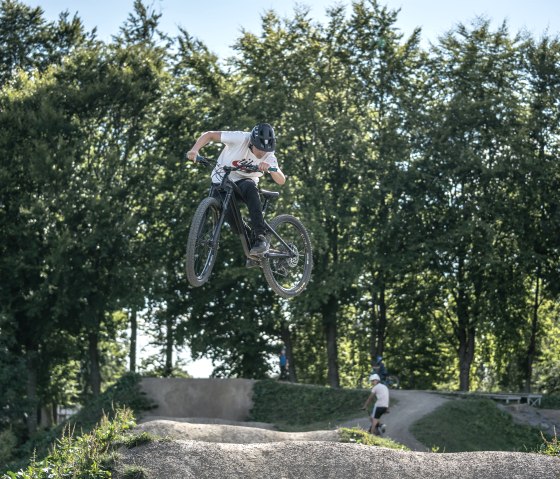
(262, 137)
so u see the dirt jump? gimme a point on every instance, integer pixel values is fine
(225, 446)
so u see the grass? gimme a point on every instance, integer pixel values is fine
(303, 407)
(359, 436)
(124, 394)
(474, 425)
(90, 455)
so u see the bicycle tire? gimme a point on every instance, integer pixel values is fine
(288, 277)
(202, 243)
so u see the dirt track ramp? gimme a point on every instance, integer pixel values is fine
(326, 460)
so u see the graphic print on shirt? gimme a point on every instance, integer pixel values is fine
(241, 163)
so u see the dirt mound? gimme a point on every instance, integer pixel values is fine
(547, 420)
(227, 433)
(323, 460)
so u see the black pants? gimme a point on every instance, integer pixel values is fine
(250, 196)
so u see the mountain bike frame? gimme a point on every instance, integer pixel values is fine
(229, 200)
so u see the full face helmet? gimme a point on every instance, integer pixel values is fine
(262, 137)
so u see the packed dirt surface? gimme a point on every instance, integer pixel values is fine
(325, 460)
(547, 420)
(240, 433)
(410, 407)
(216, 448)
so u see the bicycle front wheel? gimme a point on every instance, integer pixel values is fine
(202, 244)
(287, 265)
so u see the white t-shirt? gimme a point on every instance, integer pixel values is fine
(382, 394)
(236, 151)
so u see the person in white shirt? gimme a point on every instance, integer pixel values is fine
(254, 148)
(381, 392)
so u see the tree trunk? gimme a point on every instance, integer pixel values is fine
(168, 370)
(31, 365)
(532, 349)
(94, 371)
(286, 336)
(133, 339)
(330, 311)
(466, 335)
(381, 330)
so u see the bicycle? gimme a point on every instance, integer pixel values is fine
(391, 381)
(287, 264)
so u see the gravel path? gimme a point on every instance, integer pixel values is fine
(411, 406)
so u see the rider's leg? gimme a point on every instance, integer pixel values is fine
(220, 195)
(374, 422)
(250, 195)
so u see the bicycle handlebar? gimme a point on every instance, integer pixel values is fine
(252, 168)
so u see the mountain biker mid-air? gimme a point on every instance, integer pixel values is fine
(255, 148)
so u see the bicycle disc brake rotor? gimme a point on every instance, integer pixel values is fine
(293, 261)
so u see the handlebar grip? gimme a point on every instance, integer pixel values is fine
(201, 160)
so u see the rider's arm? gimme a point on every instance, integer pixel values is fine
(369, 400)
(203, 140)
(278, 176)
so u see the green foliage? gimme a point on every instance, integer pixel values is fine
(359, 436)
(134, 440)
(550, 401)
(550, 447)
(82, 456)
(291, 404)
(134, 472)
(125, 393)
(474, 425)
(8, 443)
(428, 180)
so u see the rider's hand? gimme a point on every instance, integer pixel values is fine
(192, 154)
(264, 166)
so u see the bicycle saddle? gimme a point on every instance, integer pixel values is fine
(270, 194)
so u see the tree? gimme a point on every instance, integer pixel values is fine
(474, 116)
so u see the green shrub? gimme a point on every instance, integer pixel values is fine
(359, 436)
(8, 442)
(297, 404)
(550, 447)
(551, 401)
(80, 457)
(474, 425)
(125, 393)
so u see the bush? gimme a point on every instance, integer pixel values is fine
(297, 404)
(359, 436)
(551, 401)
(474, 425)
(83, 456)
(8, 442)
(125, 393)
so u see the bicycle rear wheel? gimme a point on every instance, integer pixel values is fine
(202, 244)
(288, 276)
(392, 381)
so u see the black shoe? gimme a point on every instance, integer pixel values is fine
(260, 246)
